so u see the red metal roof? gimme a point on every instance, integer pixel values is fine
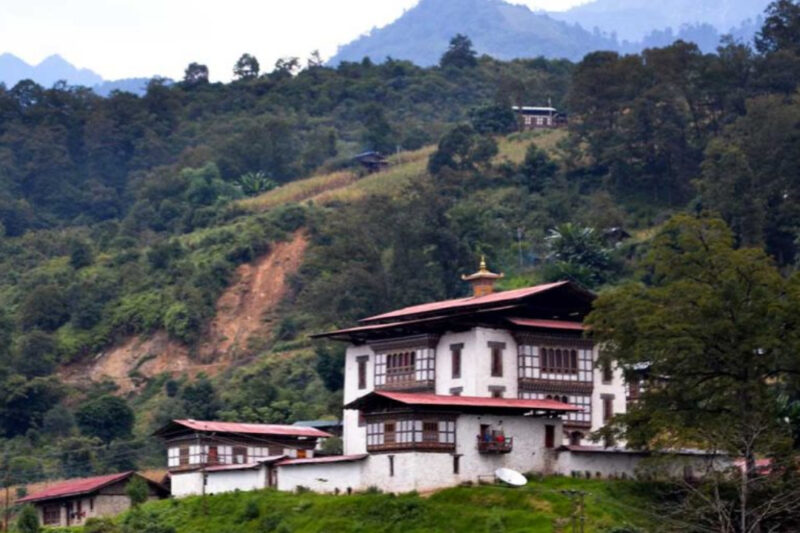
(322, 460)
(75, 487)
(547, 324)
(410, 398)
(497, 297)
(251, 429)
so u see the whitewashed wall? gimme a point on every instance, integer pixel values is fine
(322, 477)
(186, 483)
(229, 481)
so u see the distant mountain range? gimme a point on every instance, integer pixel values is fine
(55, 68)
(633, 20)
(506, 31)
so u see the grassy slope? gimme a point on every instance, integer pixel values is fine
(538, 507)
(345, 186)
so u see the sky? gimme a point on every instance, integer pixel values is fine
(133, 38)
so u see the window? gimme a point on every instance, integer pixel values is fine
(184, 455)
(91, 504)
(497, 392)
(51, 515)
(559, 360)
(362, 372)
(549, 436)
(213, 455)
(455, 359)
(497, 358)
(302, 454)
(584, 401)
(456, 464)
(239, 455)
(608, 372)
(362, 421)
(409, 432)
(608, 407)
(391, 466)
(389, 432)
(275, 450)
(402, 368)
(575, 438)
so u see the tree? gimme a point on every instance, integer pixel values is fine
(255, 183)
(80, 254)
(200, 399)
(106, 418)
(195, 75)
(462, 149)
(460, 54)
(378, 134)
(28, 520)
(137, 491)
(781, 29)
(35, 354)
(285, 68)
(537, 168)
(246, 68)
(717, 329)
(577, 253)
(496, 118)
(330, 365)
(45, 307)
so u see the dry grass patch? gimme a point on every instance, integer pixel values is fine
(298, 191)
(513, 147)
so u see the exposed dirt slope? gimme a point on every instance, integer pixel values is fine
(244, 311)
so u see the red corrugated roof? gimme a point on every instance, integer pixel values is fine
(75, 487)
(322, 460)
(410, 398)
(497, 297)
(252, 429)
(547, 324)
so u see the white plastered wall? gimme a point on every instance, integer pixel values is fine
(231, 480)
(186, 483)
(322, 477)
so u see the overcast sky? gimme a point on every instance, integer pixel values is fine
(128, 38)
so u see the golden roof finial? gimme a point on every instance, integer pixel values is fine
(482, 268)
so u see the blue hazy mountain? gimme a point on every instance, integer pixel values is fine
(497, 28)
(46, 73)
(55, 68)
(508, 31)
(633, 20)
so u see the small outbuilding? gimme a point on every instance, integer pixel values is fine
(372, 161)
(535, 117)
(72, 502)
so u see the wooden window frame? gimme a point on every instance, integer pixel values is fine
(411, 432)
(184, 455)
(608, 406)
(549, 436)
(607, 372)
(455, 360)
(362, 371)
(496, 350)
(239, 451)
(51, 515)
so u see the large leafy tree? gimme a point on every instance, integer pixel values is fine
(719, 330)
(106, 417)
(460, 54)
(246, 67)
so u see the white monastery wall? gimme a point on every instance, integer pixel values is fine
(322, 477)
(187, 483)
(231, 480)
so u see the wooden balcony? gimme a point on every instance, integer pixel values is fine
(495, 445)
(406, 382)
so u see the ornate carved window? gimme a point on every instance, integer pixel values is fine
(584, 401)
(554, 362)
(404, 367)
(411, 432)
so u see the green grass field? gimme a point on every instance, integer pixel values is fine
(542, 506)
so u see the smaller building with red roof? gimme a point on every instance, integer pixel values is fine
(72, 502)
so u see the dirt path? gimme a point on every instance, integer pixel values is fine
(245, 310)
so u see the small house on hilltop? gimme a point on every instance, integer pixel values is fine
(372, 161)
(533, 118)
(72, 502)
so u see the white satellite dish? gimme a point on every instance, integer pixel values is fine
(511, 477)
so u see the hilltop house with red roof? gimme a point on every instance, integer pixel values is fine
(72, 502)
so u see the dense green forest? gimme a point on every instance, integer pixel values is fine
(127, 215)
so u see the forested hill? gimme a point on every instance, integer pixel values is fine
(128, 224)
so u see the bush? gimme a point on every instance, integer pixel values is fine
(182, 322)
(28, 520)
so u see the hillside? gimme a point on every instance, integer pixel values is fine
(170, 254)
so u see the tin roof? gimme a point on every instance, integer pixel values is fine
(318, 423)
(245, 466)
(76, 487)
(547, 324)
(244, 429)
(469, 302)
(419, 400)
(323, 460)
